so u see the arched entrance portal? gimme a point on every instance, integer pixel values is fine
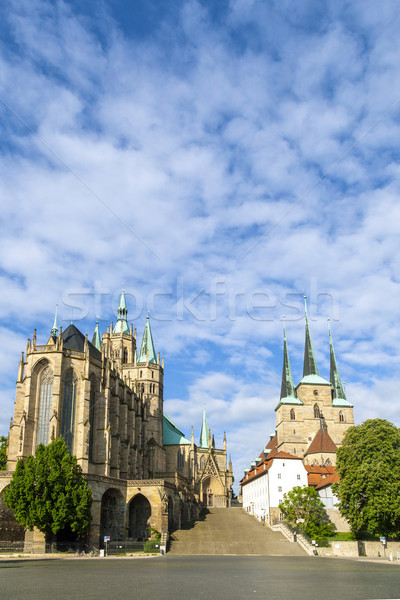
(112, 516)
(213, 493)
(139, 517)
(10, 529)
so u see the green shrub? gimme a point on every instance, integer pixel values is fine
(151, 546)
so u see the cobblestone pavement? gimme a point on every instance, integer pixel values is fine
(198, 578)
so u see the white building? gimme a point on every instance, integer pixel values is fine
(264, 485)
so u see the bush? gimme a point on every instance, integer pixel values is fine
(151, 546)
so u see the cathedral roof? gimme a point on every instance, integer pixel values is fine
(322, 442)
(147, 345)
(75, 340)
(171, 434)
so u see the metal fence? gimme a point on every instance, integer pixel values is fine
(124, 547)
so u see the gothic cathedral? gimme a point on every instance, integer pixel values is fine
(106, 400)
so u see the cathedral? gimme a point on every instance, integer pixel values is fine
(311, 420)
(105, 399)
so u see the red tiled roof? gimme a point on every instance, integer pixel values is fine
(322, 442)
(265, 465)
(321, 476)
(273, 442)
(329, 479)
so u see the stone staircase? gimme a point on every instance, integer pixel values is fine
(231, 531)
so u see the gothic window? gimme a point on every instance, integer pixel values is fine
(152, 374)
(341, 417)
(116, 353)
(140, 374)
(125, 358)
(68, 409)
(202, 462)
(292, 415)
(328, 462)
(180, 459)
(45, 398)
(317, 413)
(92, 405)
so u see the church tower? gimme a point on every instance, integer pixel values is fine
(314, 405)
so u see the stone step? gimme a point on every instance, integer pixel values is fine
(231, 531)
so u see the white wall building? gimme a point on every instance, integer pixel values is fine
(264, 485)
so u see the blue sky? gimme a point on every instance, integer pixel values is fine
(218, 160)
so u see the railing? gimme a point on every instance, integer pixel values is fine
(294, 536)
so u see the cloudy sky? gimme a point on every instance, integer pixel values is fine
(219, 160)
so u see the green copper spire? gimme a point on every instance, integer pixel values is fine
(288, 392)
(96, 337)
(122, 323)
(147, 345)
(338, 393)
(310, 364)
(203, 443)
(287, 386)
(54, 331)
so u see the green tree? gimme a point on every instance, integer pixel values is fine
(48, 491)
(3, 453)
(368, 463)
(302, 509)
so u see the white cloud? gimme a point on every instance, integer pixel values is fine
(225, 155)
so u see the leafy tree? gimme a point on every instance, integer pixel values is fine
(303, 504)
(3, 452)
(48, 491)
(368, 463)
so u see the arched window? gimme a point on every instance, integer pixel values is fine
(125, 355)
(92, 405)
(180, 459)
(202, 462)
(68, 409)
(341, 417)
(317, 413)
(292, 415)
(45, 399)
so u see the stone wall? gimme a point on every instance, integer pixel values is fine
(357, 548)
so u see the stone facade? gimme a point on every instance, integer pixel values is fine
(106, 399)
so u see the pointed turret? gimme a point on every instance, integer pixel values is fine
(288, 392)
(54, 331)
(310, 363)
(338, 393)
(147, 352)
(203, 443)
(121, 325)
(96, 337)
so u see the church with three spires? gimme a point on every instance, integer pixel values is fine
(106, 400)
(311, 420)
